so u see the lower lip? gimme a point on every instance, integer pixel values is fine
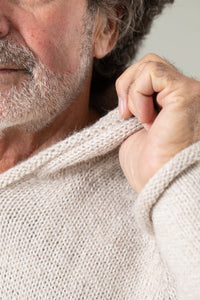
(11, 77)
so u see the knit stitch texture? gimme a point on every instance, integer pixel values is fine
(71, 227)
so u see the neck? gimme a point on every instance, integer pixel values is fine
(16, 145)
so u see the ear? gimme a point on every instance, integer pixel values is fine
(105, 35)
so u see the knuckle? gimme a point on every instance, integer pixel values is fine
(151, 57)
(187, 94)
(165, 72)
(155, 67)
(193, 92)
(160, 69)
(191, 87)
(195, 87)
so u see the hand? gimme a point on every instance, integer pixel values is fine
(168, 105)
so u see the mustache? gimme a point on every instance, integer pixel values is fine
(16, 55)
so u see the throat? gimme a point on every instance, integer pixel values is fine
(17, 145)
(14, 148)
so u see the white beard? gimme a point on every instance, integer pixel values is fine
(34, 103)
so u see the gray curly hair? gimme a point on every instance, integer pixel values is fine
(134, 19)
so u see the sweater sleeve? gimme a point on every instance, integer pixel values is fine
(169, 208)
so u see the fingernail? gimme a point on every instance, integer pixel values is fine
(121, 106)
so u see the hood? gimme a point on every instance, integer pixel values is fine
(96, 140)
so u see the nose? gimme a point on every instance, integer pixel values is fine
(4, 21)
(4, 26)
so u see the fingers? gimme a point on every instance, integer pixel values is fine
(141, 105)
(123, 86)
(137, 86)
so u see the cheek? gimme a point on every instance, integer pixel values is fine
(56, 53)
(56, 45)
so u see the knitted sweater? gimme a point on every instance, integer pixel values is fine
(71, 227)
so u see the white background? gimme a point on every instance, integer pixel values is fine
(175, 35)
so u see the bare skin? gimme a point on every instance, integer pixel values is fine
(52, 31)
(17, 146)
(165, 133)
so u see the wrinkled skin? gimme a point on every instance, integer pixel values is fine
(57, 34)
(167, 130)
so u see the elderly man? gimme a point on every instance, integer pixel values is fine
(71, 225)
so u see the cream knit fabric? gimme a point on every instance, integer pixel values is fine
(72, 227)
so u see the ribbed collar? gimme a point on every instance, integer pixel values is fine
(100, 138)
